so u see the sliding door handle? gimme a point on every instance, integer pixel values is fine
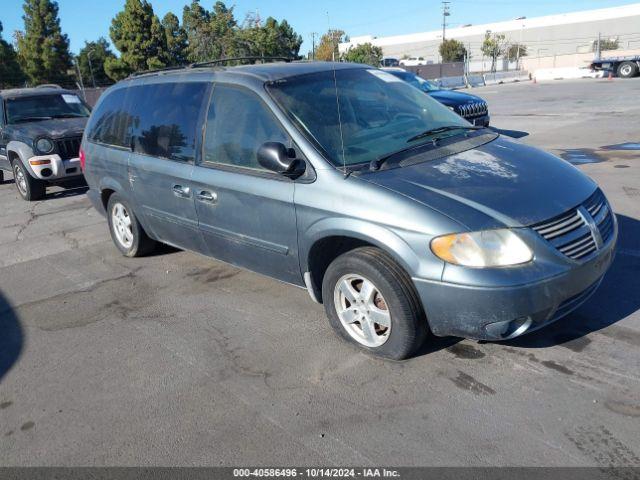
(180, 191)
(207, 196)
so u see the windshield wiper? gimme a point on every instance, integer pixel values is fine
(31, 119)
(434, 131)
(69, 115)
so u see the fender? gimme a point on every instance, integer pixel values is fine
(24, 152)
(377, 235)
(110, 183)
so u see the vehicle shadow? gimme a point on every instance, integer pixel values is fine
(509, 133)
(11, 336)
(67, 192)
(616, 298)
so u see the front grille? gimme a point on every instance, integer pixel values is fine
(471, 110)
(571, 234)
(68, 147)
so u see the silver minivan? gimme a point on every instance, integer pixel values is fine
(399, 216)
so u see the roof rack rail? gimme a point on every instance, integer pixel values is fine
(49, 85)
(159, 70)
(238, 59)
(211, 62)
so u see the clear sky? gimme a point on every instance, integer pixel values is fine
(89, 19)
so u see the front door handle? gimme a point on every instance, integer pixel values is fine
(180, 191)
(207, 196)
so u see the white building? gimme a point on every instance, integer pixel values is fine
(552, 35)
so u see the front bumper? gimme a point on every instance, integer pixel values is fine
(479, 313)
(52, 167)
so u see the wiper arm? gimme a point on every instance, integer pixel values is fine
(68, 115)
(31, 119)
(446, 128)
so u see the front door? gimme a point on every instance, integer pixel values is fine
(246, 214)
(162, 160)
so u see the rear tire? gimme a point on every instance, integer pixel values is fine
(29, 188)
(126, 231)
(1, 176)
(371, 302)
(627, 70)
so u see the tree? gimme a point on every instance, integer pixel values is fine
(43, 50)
(211, 35)
(11, 74)
(176, 39)
(139, 37)
(328, 48)
(493, 46)
(364, 53)
(91, 60)
(272, 39)
(516, 51)
(452, 50)
(606, 44)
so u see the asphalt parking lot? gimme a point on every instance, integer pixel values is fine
(176, 359)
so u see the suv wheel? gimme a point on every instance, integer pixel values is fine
(29, 188)
(627, 70)
(125, 230)
(370, 301)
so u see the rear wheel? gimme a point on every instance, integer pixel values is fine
(371, 302)
(1, 176)
(125, 230)
(627, 70)
(28, 187)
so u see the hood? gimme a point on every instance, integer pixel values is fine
(499, 183)
(452, 98)
(54, 128)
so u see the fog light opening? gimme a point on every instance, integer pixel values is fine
(46, 172)
(509, 328)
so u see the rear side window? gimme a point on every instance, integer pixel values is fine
(167, 118)
(111, 123)
(238, 123)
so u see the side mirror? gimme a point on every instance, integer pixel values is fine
(278, 158)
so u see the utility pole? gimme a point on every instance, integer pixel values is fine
(313, 46)
(445, 14)
(93, 79)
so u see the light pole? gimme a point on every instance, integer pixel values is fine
(445, 14)
(93, 80)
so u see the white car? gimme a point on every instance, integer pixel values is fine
(413, 61)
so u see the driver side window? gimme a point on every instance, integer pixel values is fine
(238, 123)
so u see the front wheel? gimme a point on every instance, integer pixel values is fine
(28, 187)
(371, 302)
(126, 231)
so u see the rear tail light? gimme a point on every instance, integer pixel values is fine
(83, 159)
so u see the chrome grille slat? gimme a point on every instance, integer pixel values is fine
(571, 247)
(565, 226)
(589, 249)
(68, 147)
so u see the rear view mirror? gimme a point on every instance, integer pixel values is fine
(276, 157)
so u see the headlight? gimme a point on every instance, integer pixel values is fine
(488, 248)
(44, 145)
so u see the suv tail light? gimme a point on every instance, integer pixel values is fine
(83, 159)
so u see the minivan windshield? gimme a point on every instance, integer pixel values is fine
(45, 107)
(374, 115)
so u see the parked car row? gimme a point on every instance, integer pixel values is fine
(398, 215)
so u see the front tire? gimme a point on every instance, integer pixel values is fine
(126, 231)
(371, 302)
(627, 70)
(29, 188)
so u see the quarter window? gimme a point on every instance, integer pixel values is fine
(238, 123)
(111, 123)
